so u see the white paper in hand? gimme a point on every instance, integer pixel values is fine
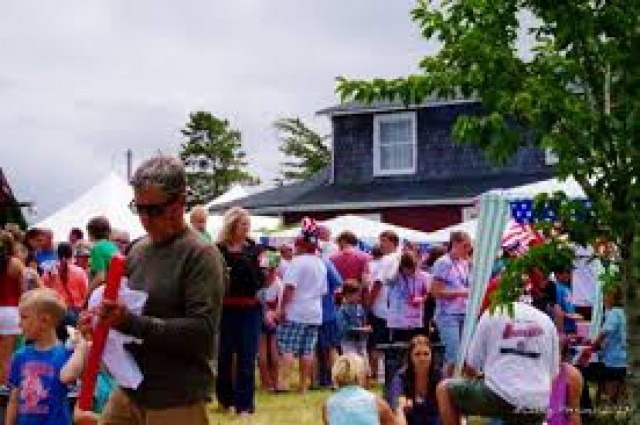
(118, 361)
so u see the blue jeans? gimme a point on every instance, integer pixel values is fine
(450, 328)
(239, 333)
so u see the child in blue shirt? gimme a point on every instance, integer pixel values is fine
(565, 309)
(613, 342)
(352, 320)
(42, 370)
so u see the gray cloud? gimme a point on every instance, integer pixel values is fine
(81, 82)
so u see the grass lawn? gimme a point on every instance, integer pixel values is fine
(278, 409)
(285, 409)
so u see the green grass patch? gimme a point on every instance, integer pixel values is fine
(278, 409)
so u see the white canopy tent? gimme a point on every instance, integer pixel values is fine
(365, 229)
(442, 235)
(234, 193)
(109, 198)
(569, 186)
(494, 214)
(259, 224)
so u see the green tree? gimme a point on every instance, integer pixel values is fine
(213, 156)
(577, 89)
(306, 151)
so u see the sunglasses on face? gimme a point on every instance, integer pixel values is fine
(151, 210)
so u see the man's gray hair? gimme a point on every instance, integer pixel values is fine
(164, 172)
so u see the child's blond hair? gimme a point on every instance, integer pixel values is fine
(348, 369)
(44, 301)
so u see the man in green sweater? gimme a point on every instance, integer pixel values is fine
(184, 277)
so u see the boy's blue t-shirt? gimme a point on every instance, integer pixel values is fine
(563, 298)
(614, 345)
(334, 281)
(46, 260)
(42, 396)
(351, 316)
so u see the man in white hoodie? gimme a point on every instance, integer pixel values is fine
(518, 356)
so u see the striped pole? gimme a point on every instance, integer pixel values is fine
(492, 220)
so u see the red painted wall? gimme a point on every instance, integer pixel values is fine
(427, 219)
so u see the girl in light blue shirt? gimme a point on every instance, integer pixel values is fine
(351, 404)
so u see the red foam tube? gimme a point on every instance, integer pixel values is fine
(99, 336)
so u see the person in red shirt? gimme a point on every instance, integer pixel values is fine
(352, 264)
(11, 278)
(70, 281)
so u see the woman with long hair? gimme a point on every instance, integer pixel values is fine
(407, 293)
(11, 283)
(241, 314)
(413, 389)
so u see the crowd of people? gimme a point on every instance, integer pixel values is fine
(227, 306)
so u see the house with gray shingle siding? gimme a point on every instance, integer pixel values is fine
(399, 165)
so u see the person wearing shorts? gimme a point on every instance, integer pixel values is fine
(300, 315)
(299, 339)
(450, 290)
(519, 356)
(613, 342)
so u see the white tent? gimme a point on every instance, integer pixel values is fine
(234, 193)
(495, 211)
(109, 198)
(569, 186)
(442, 235)
(259, 224)
(364, 229)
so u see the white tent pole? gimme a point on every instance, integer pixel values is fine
(492, 220)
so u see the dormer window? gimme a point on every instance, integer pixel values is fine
(394, 144)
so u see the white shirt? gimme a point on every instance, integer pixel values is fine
(282, 268)
(327, 248)
(385, 270)
(117, 359)
(519, 356)
(583, 279)
(308, 275)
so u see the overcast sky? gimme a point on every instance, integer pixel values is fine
(82, 81)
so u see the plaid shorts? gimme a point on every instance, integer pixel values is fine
(297, 338)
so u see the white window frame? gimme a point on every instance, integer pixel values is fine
(383, 118)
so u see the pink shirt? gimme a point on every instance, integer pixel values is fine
(351, 263)
(74, 291)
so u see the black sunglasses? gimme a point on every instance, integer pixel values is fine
(151, 210)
